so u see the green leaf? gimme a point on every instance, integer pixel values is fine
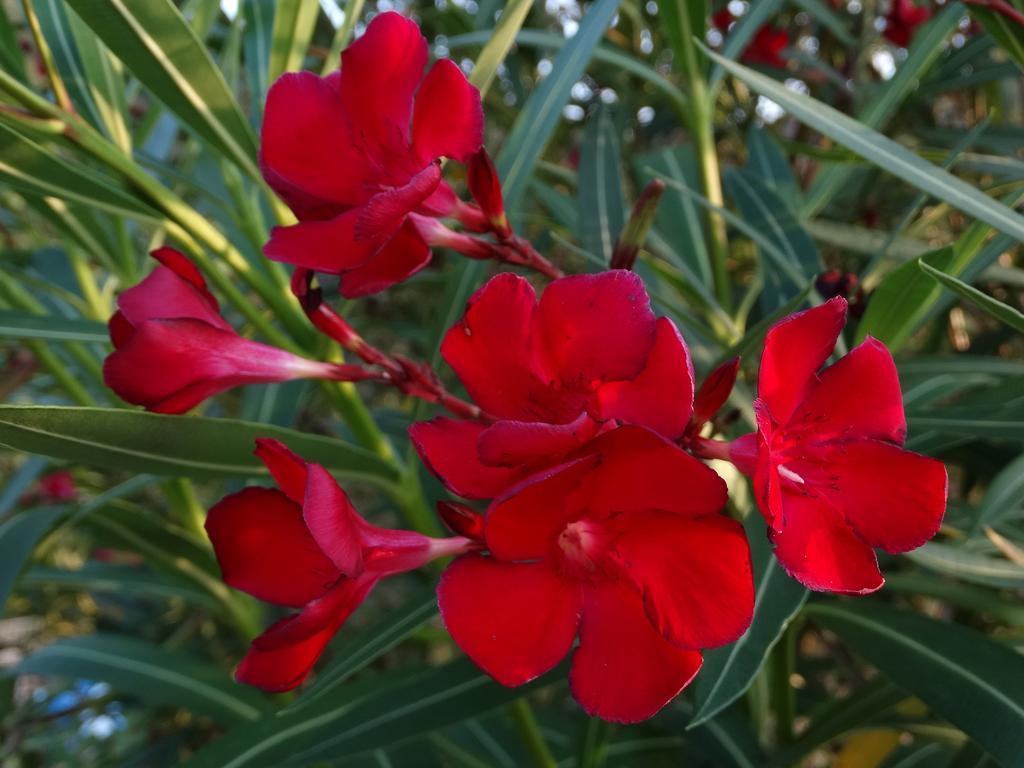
(1004, 496)
(19, 325)
(149, 672)
(377, 712)
(118, 580)
(766, 160)
(829, 19)
(106, 82)
(294, 22)
(880, 150)
(498, 42)
(966, 677)
(739, 37)
(599, 196)
(18, 538)
(180, 446)
(728, 671)
(159, 48)
(1010, 36)
(256, 42)
(360, 649)
(887, 98)
(990, 426)
(12, 58)
(28, 166)
(969, 565)
(901, 299)
(539, 117)
(1000, 311)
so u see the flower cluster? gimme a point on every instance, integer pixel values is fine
(590, 521)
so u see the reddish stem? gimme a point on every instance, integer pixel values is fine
(1000, 7)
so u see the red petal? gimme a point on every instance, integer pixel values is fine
(264, 548)
(794, 349)
(449, 449)
(325, 246)
(694, 574)
(333, 521)
(449, 119)
(440, 203)
(715, 391)
(490, 350)
(287, 468)
(524, 523)
(379, 75)
(893, 499)
(641, 470)
(515, 620)
(859, 396)
(661, 396)
(596, 328)
(818, 548)
(384, 212)
(306, 144)
(623, 670)
(398, 259)
(120, 329)
(166, 294)
(283, 656)
(519, 443)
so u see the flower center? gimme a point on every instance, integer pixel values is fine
(583, 544)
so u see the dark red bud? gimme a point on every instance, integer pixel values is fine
(485, 186)
(714, 392)
(829, 284)
(461, 520)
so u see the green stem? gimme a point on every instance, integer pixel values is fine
(87, 282)
(783, 695)
(181, 493)
(60, 93)
(529, 732)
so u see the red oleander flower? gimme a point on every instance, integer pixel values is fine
(831, 478)
(765, 47)
(621, 545)
(903, 20)
(356, 157)
(305, 546)
(173, 349)
(551, 374)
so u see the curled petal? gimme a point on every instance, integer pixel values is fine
(448, 120)
(794, 349)
(515, 620)
(449, 449)
(714, 392)
(385, 211)
(596, 328)
(533, 443)
(286, 467)
(398, 258)
(175, 289)
(325, 246)
(623, 670)
(264, 549)
(661, 396)
(333, 521)
(283, 656)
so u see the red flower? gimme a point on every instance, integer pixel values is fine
(552, 374)
(903, 20)
(305, 546)
(622, 545)
(173, 349)
(831, 478)
(765, 47)
(58, 486)
(355, 155)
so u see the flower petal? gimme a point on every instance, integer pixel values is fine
(332, 521)
(448, 447)
(307, 151)
(286, 467)
(283, 656)
(623, 670)
(661, 396)
(399, 258)
(325, 246)
(514, 620)
(264, 549)
(596, 327)
(519, 443)
(893, 499)
(490, 351)
(524, 523)
(380, 72)
(818, 548)
(165, 293)
(858, 396)
(794, 349)
(448, 120)
(694, 574)
(640, 470)
(385, 211)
